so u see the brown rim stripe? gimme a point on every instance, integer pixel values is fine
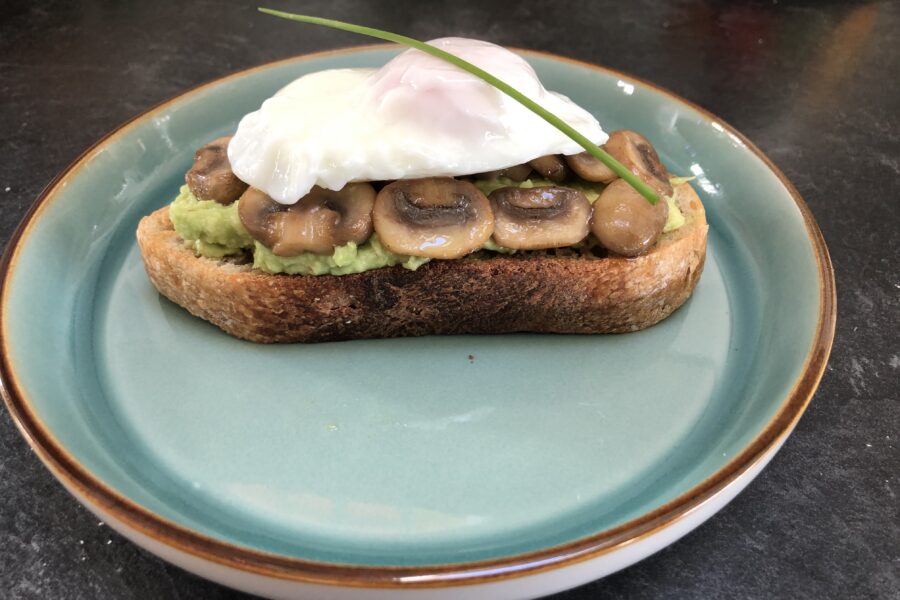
(66, 468)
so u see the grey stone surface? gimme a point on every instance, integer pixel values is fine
(814, 84)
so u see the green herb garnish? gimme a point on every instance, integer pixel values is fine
(617, 167)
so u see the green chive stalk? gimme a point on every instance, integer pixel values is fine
(604, 157)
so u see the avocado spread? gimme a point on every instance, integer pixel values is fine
(212, 229)
(215, 230)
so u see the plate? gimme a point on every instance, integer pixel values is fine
(513, 465)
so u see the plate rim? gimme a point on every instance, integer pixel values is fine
(69, 471)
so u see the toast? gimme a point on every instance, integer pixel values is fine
(563, 291)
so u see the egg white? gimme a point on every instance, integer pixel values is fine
(417, 116)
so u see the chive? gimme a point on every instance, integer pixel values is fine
(617, 167)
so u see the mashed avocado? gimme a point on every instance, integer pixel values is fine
(215, 230)
(346, 259)
(675, 219)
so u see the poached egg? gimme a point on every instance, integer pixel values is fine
(417, 116)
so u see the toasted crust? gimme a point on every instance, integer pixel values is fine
(528, 292)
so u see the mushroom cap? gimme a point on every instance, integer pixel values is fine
(540, 217)
(639, 156)
(436, 217)
(552, 166)
(211, 177)
(318, 222)
(588, 167)
(624, 222)
(516, 173)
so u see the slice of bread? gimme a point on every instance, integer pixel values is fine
(561, 292)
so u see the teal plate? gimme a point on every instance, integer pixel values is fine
(438, 455)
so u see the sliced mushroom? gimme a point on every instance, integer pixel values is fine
(638, 155)
(516, 173)
(211, 177)
(318, 222)
(539, 217)
(589, 167)
(437, 217)
(552, 167)
(624, 222)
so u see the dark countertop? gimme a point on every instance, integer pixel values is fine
(813, 84)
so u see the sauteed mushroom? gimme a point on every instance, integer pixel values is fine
(589, 168)
(437, 217)
(516, 173)
(211, 177)
(551, 166)
(540, 217)
(638, 155)
(318, 222)
(625, 222)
